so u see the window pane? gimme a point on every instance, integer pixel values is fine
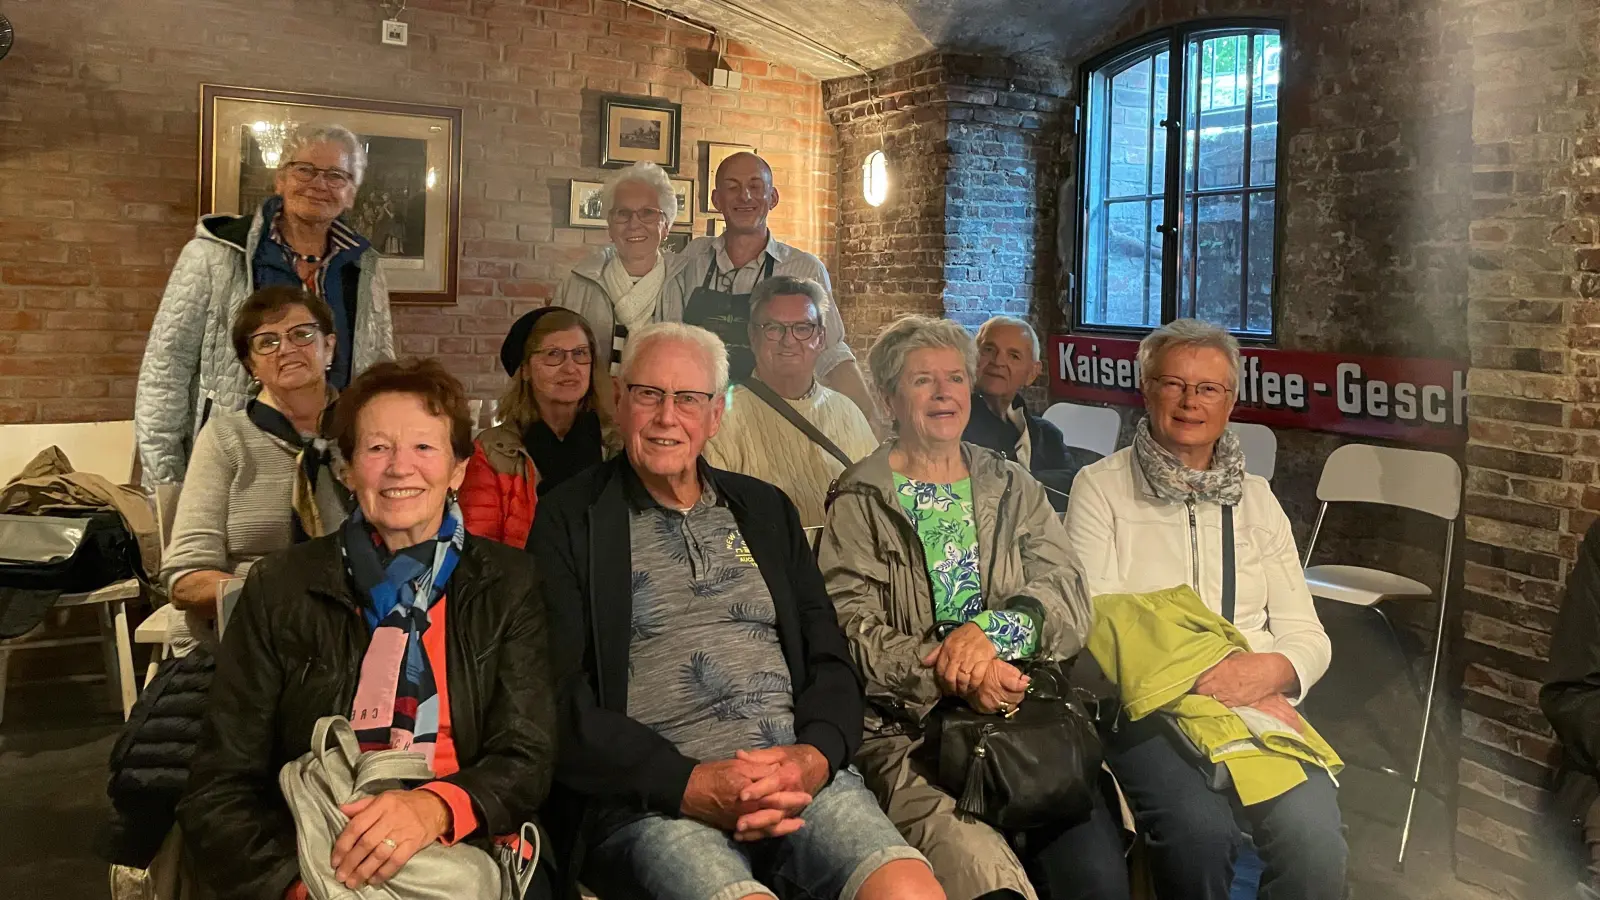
(1263, 230)
(1223, 94)
(1158, 135)
(1218, 246)
(1131, 130)
(1128, 252)
(1264, 111)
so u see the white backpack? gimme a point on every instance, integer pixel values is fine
(318, 783)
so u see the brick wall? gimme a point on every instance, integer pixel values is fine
(99, 129)
(1534, 317)
(966, 231)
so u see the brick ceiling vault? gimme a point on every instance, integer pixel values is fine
(875, 33)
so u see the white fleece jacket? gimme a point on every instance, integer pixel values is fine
(1131, 541)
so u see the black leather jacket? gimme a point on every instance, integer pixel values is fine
(292, 654)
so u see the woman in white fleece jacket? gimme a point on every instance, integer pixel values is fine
(1151, 516)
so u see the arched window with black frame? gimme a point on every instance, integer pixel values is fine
(1180, 178)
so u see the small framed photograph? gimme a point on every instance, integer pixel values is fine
(713, 154)
(684, 188)
(395, 32)
(677, 240)
(635, 129)
(584, 208)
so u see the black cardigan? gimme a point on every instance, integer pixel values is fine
(580, 541)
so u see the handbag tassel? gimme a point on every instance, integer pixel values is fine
(971, 802)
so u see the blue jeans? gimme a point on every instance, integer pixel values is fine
(1193, 833)
(845, 840)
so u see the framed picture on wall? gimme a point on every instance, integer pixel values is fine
(409, 200)
(639, 129)
(677, 240)
(713, 153)
(684, 188)
(584, 207)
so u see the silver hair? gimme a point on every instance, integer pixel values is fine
(337, 135)
(707, 343)
(1013, 322)
(887, 358)
(651, 176)
(1187, 333)
(783, 285)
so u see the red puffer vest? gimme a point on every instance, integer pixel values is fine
(497, 497)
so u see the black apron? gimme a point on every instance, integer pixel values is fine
(728, 317)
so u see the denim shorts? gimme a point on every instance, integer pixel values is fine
(846, 838)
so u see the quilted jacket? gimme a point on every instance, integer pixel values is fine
(497, 496)
(189, 364)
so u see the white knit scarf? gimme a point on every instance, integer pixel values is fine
(634, 303)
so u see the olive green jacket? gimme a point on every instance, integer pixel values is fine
(877, 576)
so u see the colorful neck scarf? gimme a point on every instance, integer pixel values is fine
(315, 454)
(397, 699)
(1177, 483)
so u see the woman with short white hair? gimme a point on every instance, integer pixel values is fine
(618, 288)
(295, 238)
(953, 579)
(1156, 515)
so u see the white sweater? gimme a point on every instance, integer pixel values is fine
(756, 440)
(1128, 540)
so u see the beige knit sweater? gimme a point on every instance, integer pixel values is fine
(756, 440)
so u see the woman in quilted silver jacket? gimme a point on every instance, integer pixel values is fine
(298, 238)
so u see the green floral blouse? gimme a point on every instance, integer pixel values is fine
(942, 516)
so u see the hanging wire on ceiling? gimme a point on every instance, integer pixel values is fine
(760, 19)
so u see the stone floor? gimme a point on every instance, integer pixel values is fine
(54, 743)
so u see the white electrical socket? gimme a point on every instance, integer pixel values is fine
(727, 79)
(396, 32)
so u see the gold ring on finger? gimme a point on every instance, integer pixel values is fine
(390, 843)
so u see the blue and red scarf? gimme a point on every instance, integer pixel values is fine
(397, 698)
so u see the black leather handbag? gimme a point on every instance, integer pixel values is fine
(1034, 765)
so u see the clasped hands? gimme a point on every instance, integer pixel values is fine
(759, 793)
(966, 665)
(384, 833)
(1257, 680)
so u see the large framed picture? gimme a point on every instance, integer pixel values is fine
(584, 207)
(713, 155)
(409, 202)
(639, 129)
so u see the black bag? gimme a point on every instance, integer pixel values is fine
(1035, 765)
(66, 554)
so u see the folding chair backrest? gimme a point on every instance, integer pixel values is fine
(1422, 480)
(103, 448)
(1090, 427)
(1260, 445)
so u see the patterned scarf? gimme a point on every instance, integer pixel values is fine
(1177, 483)
(397, 699)
(314, 454)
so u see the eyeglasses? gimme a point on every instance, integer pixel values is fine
(800, 331)
(266, 343)
(556, 356)
(1172, 387)
(650, 397)
(650, 217)
(305, 173)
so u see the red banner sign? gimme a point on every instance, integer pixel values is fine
(1422, 401)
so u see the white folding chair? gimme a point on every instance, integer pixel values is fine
(1424, 481)
(104, 448)
(1260, 446)
(1090, 427)
(157, 627)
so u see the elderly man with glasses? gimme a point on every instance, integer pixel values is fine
(783, 426)
(296, 239)
(709, 705)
